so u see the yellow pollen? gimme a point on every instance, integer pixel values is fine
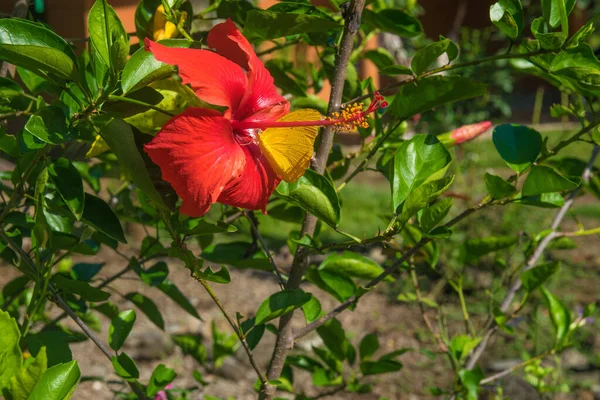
(349, 119)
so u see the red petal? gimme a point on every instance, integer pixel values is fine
(198, 155)
(262, 102)
(254, 186)
(214, 78)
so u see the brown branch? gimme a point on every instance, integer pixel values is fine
(254, 225)
(285, 338)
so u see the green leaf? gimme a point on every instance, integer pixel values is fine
(191, 345)
(545, 200)
(470, 380)
(508, 16)
(142, 68)
(559, 315)
(148, 307)
(156, 274)
(99, 215)
(69, 185)
(518, 145)
(161, 377)
(380, 367)
(428, 54)
(542, 179)
(280, 304)
(579, 67)
(236, 254)
(479, 247)
(462, 345)
(339, 285)
(334, 337)
(315, 194)
(85, 271)
(312, 309)
(498, 187)
(220, 276)
(119, 329)
(435, 213)
(263, 24)
(57, 382)
(434, 91)
(417, 160)
(22, 383)
(169, 288)
(32, 46)
(422, 196)
(552, 10)
(81, 288)
(380, 57)
(237, 10)
(396, 70)
(583, 33)
(198, 227)
(10, 352)
(125, 367)
(119, 137)
(107, 36)
(393, 21)
(49, 125)
(368, 346)
(54, 341)
(351, 264)
(537, 276)
(548, 41)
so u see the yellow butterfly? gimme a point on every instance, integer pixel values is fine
(289, 150)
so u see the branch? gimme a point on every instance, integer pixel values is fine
(254, 225)
(541, 247)
(285, 338)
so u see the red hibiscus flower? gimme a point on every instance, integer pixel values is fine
(199, 152)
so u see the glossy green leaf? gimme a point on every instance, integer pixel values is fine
(380, 367)
(393, 20)
(264, 24)
(435, 213)
(198, 227)
(69, 185)
(432, 92)
(351, 264)
(219, 276)
(99, 215)
(508, 16)
(543, 179)
(559, 315)
(428, 54)
(34, 47)
(552, 10)
(339, 285)
(470, 379)
(462, 345)
(538, 275)
(119, 137)
(380, 57)
(237, 10)
(236, 254)
(119, 329)
(549, 40)
(85, 271)
(81, 288)
(161, 377)
(498, 187)
(57, 382)
(422, 196)
(368, 346)
(417, 160)
(479, 247)
(108, 37)
(22, 383)
(315, 194)
(583, 33)
(545, 200)
(169, 288)
(334, 337)
(396, 70)
(518, 145)
(148, 307)
(142, 68)
(10, 352)
(49, 125)
(280, 304)
(125, 367)
(312, 309)
(579, 67)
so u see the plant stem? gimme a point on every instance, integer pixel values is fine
(140, 103)
(278, 47)
(285, 337)
(253, 225)
(512, 369)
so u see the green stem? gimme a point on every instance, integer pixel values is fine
(139, 103)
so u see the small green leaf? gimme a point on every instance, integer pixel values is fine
(264, 24)
(156, 274)
(54, 341)
(99, 215)
(380, 367)
(108, 37)
(368, 346)
(169, 288)
(57, 382)
(161, 377)
(339, 285)
(518, 145)
(81, 288)
(428, 54)
(508, 16)
(548, 41)
(435, 213)
(537, 276)
(315, 194)
(546, 200)
(85, 271)
(498, 187)
(198, 227)
(380, 57)
(148, 307)
(191, 345)
(119, 329)
(10, 352)
(396, 70)
(470, 379)
(422, 196)
(312, 309)
(49, 125)
(432, 92)
(552, 10)
(69, 185)
(393, 20)
(462, 345)
(280, 304)
(542, 179)
(559, 315)
(125, 367)
(334, 337)
(219, 276)
(479, 247)
(351, 264)
(22, 383)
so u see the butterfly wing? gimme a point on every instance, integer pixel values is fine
(289, 150)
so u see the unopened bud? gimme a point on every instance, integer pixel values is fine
(465, 133)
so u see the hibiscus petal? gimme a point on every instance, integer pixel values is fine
(254, 186)
(213, 77)
(198, 155)
(261, 102)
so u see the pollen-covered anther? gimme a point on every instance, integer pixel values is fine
(350, 118)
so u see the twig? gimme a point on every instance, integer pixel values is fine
(285, 338)
(278, 47)
(512, 369)
(541, 247)
(253, 224)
